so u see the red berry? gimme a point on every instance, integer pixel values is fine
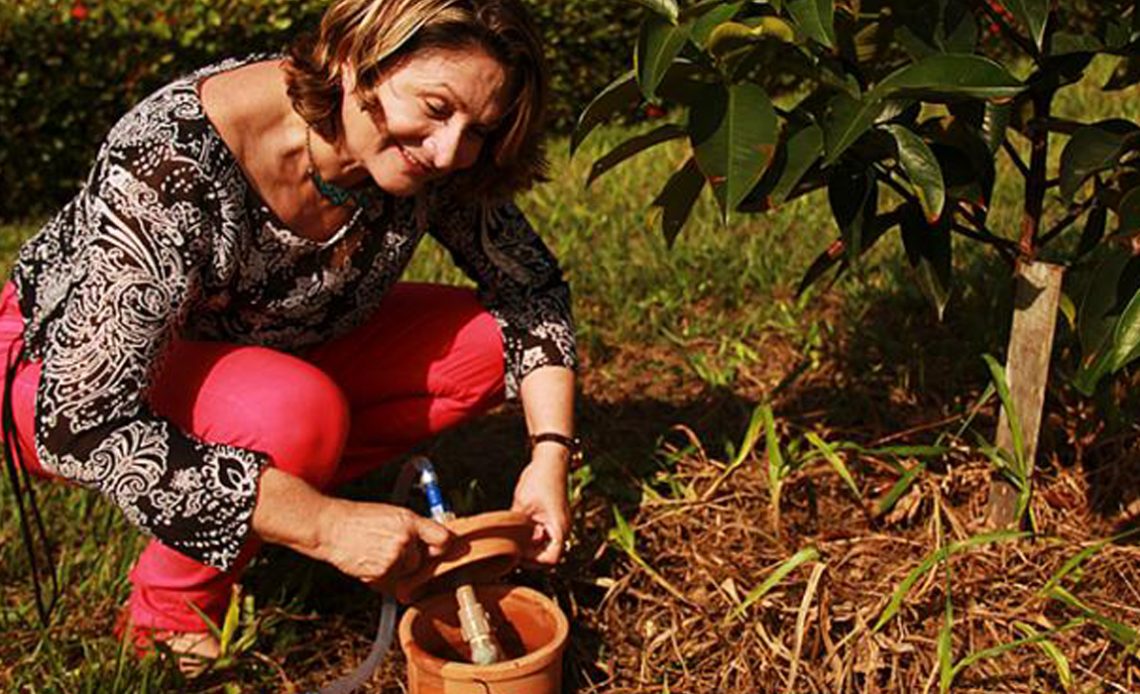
(79, 11)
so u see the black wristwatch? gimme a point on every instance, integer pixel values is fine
(572, 444)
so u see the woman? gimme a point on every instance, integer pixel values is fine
(211, 333)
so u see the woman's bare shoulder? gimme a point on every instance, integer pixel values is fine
(249, 98)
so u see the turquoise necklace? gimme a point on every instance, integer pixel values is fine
(330, 191)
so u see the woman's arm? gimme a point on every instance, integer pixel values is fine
(521, 283)
(547, 395)
(369, 541)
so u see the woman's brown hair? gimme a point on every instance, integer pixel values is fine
(373, 36)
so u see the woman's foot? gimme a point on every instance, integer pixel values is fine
(194, 650)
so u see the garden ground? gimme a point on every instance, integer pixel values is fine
(682, 577)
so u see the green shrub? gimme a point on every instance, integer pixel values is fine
(70, 68)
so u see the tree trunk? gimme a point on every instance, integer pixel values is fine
(1037, 294)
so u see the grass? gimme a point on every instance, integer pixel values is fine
(719, 544)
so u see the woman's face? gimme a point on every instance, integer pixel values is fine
(431, 116)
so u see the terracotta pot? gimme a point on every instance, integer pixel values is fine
(486, 547)
(530, 627)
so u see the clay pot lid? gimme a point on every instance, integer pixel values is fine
(486, 547)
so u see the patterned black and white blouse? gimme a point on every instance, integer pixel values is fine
(168, 238)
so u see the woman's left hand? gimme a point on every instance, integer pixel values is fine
(541, 495)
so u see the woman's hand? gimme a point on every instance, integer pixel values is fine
(377, 543)
(541, 494)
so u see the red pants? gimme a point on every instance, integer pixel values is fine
(430, 358)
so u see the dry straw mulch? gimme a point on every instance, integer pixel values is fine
(683, 630)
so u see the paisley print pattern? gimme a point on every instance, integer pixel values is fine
(168, 239)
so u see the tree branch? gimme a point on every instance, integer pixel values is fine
(1035, 183)
(1006, 248)
(1055, 125)
(1016, 158)
(1065, 222)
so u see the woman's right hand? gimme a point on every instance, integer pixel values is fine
(377, 543)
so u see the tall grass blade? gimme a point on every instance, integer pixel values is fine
(791, 564)
(1051, 651)
(1120, 633)
(772, 440)
(622, 536)
(1074, 562)
(933, 558)
(995, 651)
(946, 646)
(916, 451)
(899, 488)
(230, 622)
(751, 436)
(836, 462)
(975, 409)
(997, 373)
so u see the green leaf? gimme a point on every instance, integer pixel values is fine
(733, 133)
(853, 195)
(933, 558)
(700, 9)
(1128, 212)
(776, 466)
(950, 75)
(1114, 279)
(1064, 43)
(928, 248)
(845, 121)
(997, 375)
(634, 145)
(959, 28)
(728, 38)
(796, 154)
(1074, 562)
(685, 82)
(1032, 14)
(230, 622)
(665, 8)
(815, 18)
(751, 436)
(621, 534)
(1093, 148)
(945, 647)
(899, 488)
(1126, 335)
(658, 43)
(822, 263)
(677, 198)
(906, 450)
(922, 168)
(1032, 638)
(1104, 297)
(791, 564)
(804, 148)
(1119, 632)
(828, 452)
(1060, 662)
(838, 250)
(1094, 230)
(711, 20)
(616, 96)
